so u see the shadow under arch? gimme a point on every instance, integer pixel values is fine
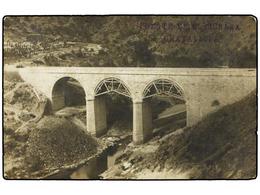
(67, 91)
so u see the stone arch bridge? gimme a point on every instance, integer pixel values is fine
(200, 88)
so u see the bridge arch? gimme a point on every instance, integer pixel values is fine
(110, 107)
(67, 91)
(163, 105)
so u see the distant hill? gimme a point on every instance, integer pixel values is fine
(168, 41)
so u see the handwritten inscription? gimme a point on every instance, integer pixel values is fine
(184, 26)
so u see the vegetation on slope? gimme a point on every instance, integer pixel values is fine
(223, 145)
(172, 41)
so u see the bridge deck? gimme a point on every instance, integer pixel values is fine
(143, 71)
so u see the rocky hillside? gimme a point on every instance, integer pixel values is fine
(36, 146)
(223, 145)
(167, 41)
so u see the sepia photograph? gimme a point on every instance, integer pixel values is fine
(129, 97)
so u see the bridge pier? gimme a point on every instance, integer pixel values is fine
(96, 116)
(142, 121)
